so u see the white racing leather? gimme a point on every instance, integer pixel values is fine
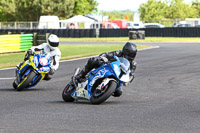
(54, 54)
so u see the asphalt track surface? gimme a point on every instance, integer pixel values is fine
(163, 98)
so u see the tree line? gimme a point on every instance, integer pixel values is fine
(160, 10)
(31, 10)
(154, 10)
(113, 15)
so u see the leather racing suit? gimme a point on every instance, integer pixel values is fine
(95, 62)
(54, 54)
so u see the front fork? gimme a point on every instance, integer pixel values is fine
(17, 76)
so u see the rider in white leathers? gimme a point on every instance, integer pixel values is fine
(49, 49)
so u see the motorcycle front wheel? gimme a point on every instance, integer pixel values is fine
(99, 97)
(66, 94)
(26, 81)
(14, 85)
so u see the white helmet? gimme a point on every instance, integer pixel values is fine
(53, 41)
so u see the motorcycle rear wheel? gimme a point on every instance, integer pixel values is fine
(27, 80)
(66, 94)
(109, 89)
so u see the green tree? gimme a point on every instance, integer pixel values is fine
(28, 10)
(167, 10)
(177, 9)
(7, 10)
(83, 7)
(153, 10)
(114, 15)
(61, 8)
(196, 6)
(31, 10)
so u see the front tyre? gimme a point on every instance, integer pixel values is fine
(14, 84)
(99, 97)
(26, 81)
(66, 94)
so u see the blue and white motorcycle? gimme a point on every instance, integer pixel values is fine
(100, 83)
(31, 72)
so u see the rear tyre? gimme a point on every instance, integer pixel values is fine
(26, 81)
(66, 94)
(108, 90)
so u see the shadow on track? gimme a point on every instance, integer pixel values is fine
(84, 102)
(7, 89)
(28, 90)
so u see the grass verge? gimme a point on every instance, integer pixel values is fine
(68, 52)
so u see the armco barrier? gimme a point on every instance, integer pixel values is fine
(154, 32)
(15, 43)
(149, 32)
(75, 33)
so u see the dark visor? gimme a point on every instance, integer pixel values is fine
(53, 44)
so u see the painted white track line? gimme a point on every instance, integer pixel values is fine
(153, 47)
(7, 78)
(149, 48)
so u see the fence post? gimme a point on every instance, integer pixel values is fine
(34, 39)
(97, 32)
(15, 25)
(31, 25)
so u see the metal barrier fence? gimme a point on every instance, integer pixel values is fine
(15, 43)
(74, 33)
(77, 33)
(154, 32)
(19, 25)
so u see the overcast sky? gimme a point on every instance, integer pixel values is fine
(109, 5)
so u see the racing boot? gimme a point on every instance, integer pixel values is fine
(47, 77)
(118, 92)
(80, 77)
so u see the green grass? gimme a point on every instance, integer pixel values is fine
(147, 39)
(68, 52)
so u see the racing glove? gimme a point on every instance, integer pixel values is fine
(134, 65)
(104, 59)
(28, 53)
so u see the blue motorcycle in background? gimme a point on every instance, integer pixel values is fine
(31, 72)
(100, 83)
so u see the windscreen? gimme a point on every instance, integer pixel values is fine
(124, 64)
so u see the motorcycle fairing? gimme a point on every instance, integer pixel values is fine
(111, 69)
(81, 92)
(31, 65)
(104, 72)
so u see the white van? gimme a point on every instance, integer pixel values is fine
(49, 22)
(135, 25)
(104, 25)
(153, 25)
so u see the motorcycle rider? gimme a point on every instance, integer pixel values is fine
(51, 49)
(129, 52)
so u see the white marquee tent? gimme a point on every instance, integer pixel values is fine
(77, 20)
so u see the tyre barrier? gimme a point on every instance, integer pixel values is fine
(133, 35)
(15, 43)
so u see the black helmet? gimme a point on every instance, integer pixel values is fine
(129, 51)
